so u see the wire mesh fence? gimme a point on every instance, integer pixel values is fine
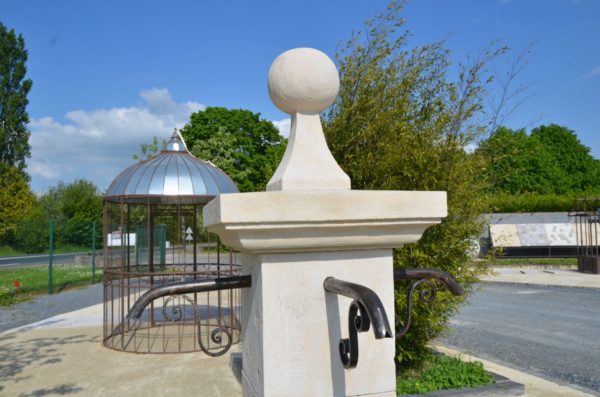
(48, 256)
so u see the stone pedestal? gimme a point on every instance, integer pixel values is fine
(291, 327)
(291, 242)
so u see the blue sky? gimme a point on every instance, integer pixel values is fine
(110, 75)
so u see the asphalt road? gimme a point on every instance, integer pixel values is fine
(550, 332)
(35, 260)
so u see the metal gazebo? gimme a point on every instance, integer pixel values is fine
(153, 236)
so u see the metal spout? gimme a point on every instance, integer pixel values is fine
(428, 274)
(369, 301)
(187, 287)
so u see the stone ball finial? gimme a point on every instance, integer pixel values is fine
(303, 80)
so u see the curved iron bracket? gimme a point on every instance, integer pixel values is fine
(186, 287)
(366, 308)
(423, 277)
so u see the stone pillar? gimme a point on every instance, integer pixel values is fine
(309, 226)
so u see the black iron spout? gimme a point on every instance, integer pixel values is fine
(186, 287)
(428, 274)
(427, 290)
(366, 308)
(369, 301)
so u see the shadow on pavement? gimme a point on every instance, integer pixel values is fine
(20, 357)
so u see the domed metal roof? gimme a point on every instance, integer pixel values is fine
(173, 176)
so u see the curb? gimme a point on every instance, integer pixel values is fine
(535, 284)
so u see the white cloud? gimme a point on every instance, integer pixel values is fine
(283, 126)
(592, 73)
(98, 144)
(47, 171)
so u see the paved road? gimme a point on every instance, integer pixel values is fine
(551, 332)
(35, 260)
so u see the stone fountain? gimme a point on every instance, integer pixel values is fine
(309, 227)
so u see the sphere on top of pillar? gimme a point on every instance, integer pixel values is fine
(303, 80)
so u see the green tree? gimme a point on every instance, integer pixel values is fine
(17, 201)
(239, 142)
(401, 123)
(148, 150)
(518, 163)
(549, 161)
(581, 170)
(14, 136)
(73, 207)
(32, 233)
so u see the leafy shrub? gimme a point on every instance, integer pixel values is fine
(400, 123)
(8, 295)
(442, 373)
(32, 236)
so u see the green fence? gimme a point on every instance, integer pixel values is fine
(49, 256)
(159, 237)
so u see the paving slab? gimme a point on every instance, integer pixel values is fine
(50, 360)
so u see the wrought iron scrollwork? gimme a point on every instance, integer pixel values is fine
(365, 309)
(215, 336)
(426, 295)
(358, 321)
(177, 311)
(426, 288)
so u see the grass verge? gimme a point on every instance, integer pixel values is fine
(33, 281)
(533, 261)
(441, 372)
(66, 249)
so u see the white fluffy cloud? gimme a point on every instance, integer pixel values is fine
(98, 144)
(283, 126)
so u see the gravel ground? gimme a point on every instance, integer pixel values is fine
(46, 306)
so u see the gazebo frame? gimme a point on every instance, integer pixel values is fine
(153, 239)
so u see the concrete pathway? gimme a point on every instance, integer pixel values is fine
(531, 275)
(63, 355)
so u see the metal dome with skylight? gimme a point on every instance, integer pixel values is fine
(173, 176)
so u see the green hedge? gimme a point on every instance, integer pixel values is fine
(529, 202)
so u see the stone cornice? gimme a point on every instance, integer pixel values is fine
(300, 221)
